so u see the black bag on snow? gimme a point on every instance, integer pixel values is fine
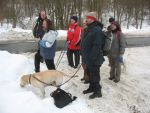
(106, 45)
(62, 98)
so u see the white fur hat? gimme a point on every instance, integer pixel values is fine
(92, 15)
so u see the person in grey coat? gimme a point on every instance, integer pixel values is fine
(91, 48)
(48, 44)
(116, 52)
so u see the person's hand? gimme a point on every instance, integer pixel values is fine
(119, 59)
(121, 55)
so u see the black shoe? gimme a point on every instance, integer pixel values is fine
(42, 60)
(75, 67)
(37, 71)
(86, 82)
(95, 95)
(82, 79)
(116, 81)
(111, 78)
(71, 66)
(87, 91)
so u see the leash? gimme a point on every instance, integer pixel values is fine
(52, 84)
(61, 55)
(30, 79)
(70, 77)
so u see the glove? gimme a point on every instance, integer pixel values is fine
(43, 43)
(119, 59)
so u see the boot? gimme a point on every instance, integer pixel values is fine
(37, 70)
(96, 95)
(42, 60)
(116, 81)
(89, 90)
(82, 79)
(111, 78)
(86, 82)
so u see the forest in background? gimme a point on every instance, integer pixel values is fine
(133, 12)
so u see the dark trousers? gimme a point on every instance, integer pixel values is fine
(37, 59)
(50, 64)
(115, 71)
(76, 54)
(94, 78)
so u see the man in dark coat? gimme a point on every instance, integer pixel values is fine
(91, 48)
(38, 33)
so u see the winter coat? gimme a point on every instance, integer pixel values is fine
(48, 45)
(73, 36)
(118, 45)
(38, 30)
(91, 45)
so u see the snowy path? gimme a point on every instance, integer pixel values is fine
(131, 95)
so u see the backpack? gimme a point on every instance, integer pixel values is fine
(106, 44)
(62, 98)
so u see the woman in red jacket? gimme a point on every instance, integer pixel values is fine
(73, 37)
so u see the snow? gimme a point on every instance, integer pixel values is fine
(9, 33)
(62, 34)
(131, 95)
(14, 99)
(144, 32)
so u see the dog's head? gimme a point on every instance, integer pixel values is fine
(24, 80)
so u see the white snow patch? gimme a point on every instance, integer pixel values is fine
(130, 95)
(8, 33)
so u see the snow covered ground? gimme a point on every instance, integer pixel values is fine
(9, 33)
(131, 95)
(133, 32)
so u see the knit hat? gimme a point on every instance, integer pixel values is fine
(75, 18)
(92, 15)
(111, 19)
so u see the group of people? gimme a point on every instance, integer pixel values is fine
(85, 42)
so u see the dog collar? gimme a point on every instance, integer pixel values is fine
(30, 79)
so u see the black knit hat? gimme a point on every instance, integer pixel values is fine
(75, 18)
(111, 19)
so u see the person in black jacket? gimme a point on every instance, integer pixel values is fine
(38, 33)
(91, 48)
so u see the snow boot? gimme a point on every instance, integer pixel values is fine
(95, 95)
(116, 81)
(111, 78)
(89, 90)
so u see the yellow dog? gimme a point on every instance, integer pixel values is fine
(42, 79)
